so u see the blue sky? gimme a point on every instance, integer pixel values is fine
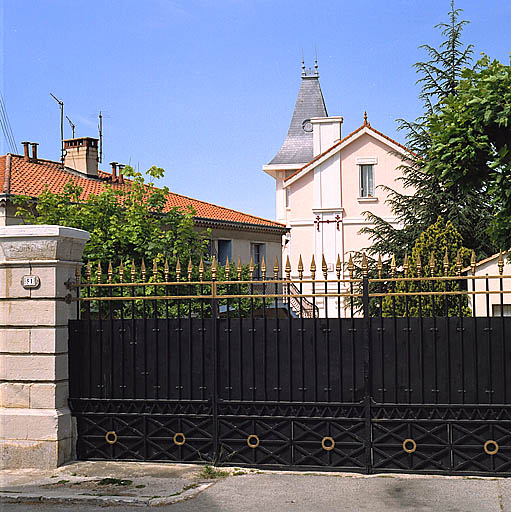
(206, 88)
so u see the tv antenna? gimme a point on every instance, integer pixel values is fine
(72, 126)
(100, 130)
(61, 104)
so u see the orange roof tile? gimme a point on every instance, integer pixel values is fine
(32, 178)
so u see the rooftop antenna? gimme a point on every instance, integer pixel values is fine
(100, 129)
(303, 63)
(316, 58)
(72, 126)
(61, 103)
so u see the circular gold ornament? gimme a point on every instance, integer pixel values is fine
(253, 441)
(179, 439)
(328, 443)
(489, 444)
(409, 445)
(111, 437)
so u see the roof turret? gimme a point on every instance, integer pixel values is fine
(298, 147)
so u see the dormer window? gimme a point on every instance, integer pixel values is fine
(366, 180)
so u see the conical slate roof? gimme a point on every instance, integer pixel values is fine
(297, 148)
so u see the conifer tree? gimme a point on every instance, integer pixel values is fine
(469, 211)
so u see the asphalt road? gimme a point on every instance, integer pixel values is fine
(302, 492)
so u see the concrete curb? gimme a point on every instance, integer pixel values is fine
(89, 499)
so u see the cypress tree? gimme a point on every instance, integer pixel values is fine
(469, 211)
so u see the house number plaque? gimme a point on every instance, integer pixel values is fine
(30, 282)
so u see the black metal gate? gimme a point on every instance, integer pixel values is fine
(224, 373)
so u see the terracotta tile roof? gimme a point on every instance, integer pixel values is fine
(32, 178)
(338, 143)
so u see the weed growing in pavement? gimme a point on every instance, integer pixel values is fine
(209, 472)
(114, 481)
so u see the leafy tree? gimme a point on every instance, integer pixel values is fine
(126, 223)
(469, 209)
(434, 254)
(471, 140)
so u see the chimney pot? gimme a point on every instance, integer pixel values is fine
(34, 151)
(26, 155)
(120, 167)
(114, 171)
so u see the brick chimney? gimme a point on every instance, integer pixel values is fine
(26, 155)
(81, 154)
(34, 151)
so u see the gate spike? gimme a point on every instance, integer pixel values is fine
(473, 262)
(99, 271)
(288, 268)
(458, 262)
(276, 268)
(178, 270)
(110, 271)
(419, 266)
(227, 269)
(365, 266)
(324, 267)
(166, 270)
(88, 271)
(201, 269)
(213, 268)
(263, 269)
(143, 270)
(500, 263)
(380, 266)
(351, 266)
(251, 268)
(338, 267)
(133, 270)
(393, 267)
(405, 265)
(155, 270)
(300, 267)
(121, 272)
(446, 262)
(432, 264)
(239, 268)
(190, 269)
(313, 268)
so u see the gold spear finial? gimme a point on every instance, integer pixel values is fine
(380, 266)
(351, 267)
(121, 272)
(393, 267)
(88, 271)
(446, 262)
(458, 262)
(432, 264)
(110, 271)
(190, 269)
(227, 269)
(365, 266)
(405, 265)
(473, 262)
(500, 263)
(155, 270)
(251, 268)
(178, 270)
(133, 270)
(300, 268)
(213, 268)
(419, 266)
(143, 270)
(276, 268)
(239, 268)
(99, 271)
(263, 269)
(338, 267)
(201, 269)
(313, 268)
(166, 270)
(288, 268)
(324, 267)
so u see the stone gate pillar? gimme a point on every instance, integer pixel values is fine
(36, 265)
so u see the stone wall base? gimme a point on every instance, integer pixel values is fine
(35, 454)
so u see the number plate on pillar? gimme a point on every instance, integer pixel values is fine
(29, 282)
